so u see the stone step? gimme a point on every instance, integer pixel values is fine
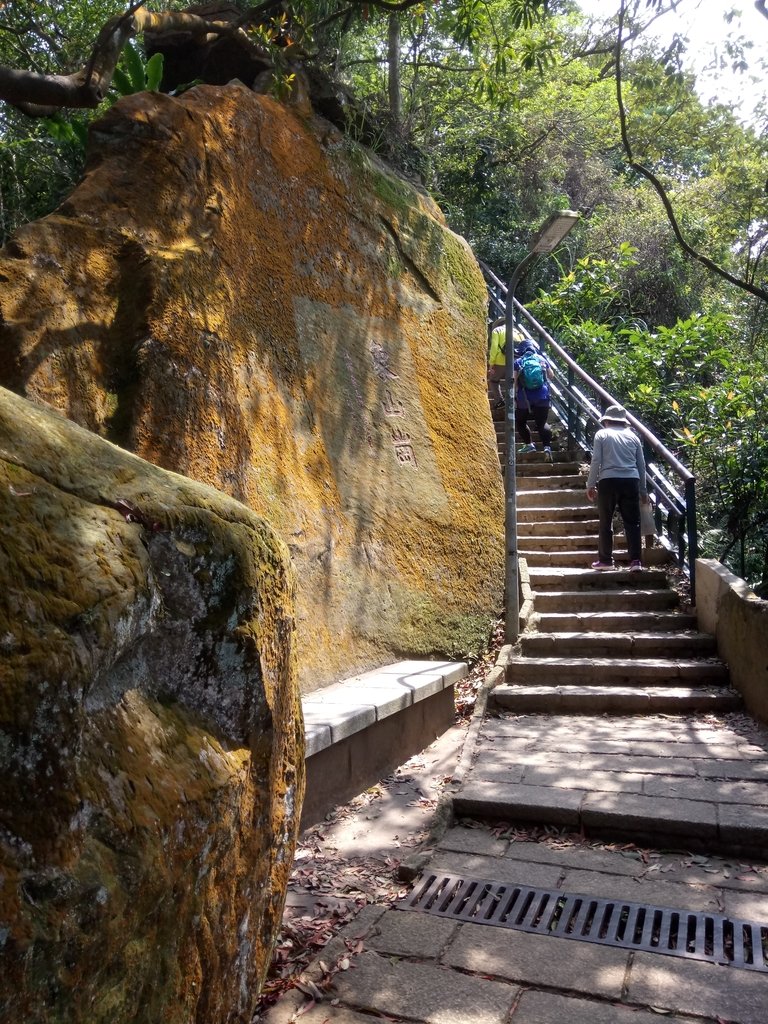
(538, 458)
(604, 600)
(580, 578)
(582, 557)
(614, 700)
(584, 528)
(652, 644)
(563, 671)
(556, 514)
(540, 482)
(612, 621)
(560, 497)
(544, 469)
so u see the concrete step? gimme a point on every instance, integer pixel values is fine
(538, 458)
(560, 497)
(565, 671)
(581, 558)
(604, 600)
(552, 543)
(579, 579)
(612, 621)
(614, 700)
(545, 469)
(652, 644)
(586, 528)
(556, 514)
(553, 481)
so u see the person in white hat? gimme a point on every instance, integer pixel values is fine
(617, 479)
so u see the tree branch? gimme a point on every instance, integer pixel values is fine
(41, 95)
(687, 248)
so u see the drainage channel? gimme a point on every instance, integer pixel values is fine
(632, 926)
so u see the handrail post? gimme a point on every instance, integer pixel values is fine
(693, 542)
(511, 568)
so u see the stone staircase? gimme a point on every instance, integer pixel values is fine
(614, 717)
(599, 642)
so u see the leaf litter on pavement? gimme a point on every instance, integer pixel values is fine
(326, 891)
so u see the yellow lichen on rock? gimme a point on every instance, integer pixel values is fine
(241, 294)
(151, 747)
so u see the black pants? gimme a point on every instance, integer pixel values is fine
(539, 414)
(622, 493)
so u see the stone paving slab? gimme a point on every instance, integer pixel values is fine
(754, 770)
(628, 812)
(670, 727)
(528, 803)
(605, 782)
(744, 825)
(480, 841)
(539, 960)
(425, 992)
(676, 895)
(693, 987)
(412, 935)
(661, 778)
(537, 1007)
(670, 766)
(721, 791)
(727, 877)
(749, 906)
(468, 865)
(568, 858)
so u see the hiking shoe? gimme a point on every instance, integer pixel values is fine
(635, 566)
(548, 454)
(526, 449)
(602, 565)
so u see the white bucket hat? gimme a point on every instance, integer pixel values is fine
(616, 414)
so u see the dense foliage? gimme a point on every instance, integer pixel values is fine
(506, 110)
(695, 383)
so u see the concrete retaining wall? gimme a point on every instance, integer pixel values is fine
(360, 729)
(738, 618)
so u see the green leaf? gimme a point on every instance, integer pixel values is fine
(121, 83)
(134, 66)
(154, 72)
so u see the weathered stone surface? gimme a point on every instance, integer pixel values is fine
(238, 293)
(151, 750)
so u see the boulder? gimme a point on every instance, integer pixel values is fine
(151, 747)
(239, 293)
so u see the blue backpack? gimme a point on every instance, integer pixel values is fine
(532, 375)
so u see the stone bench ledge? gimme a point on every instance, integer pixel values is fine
(335, 712)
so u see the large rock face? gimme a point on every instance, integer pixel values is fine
(237, 293)
(151, 749)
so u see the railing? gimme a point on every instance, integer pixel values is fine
(579, 401)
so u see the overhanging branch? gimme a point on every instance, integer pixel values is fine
(41, 95)
(687, 248)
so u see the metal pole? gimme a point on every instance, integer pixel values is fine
(511, 573)
(693, 537)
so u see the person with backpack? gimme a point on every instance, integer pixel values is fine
(617, 479)
(497, 361)
(532, 372)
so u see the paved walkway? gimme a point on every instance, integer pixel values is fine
(696, 780)
(401, 965)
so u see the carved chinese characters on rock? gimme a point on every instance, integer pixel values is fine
(392, 406)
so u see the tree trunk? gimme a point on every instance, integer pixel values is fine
(393, 58)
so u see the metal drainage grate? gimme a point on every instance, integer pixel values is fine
(696, 936)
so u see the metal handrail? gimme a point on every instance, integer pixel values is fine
(581, 415)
